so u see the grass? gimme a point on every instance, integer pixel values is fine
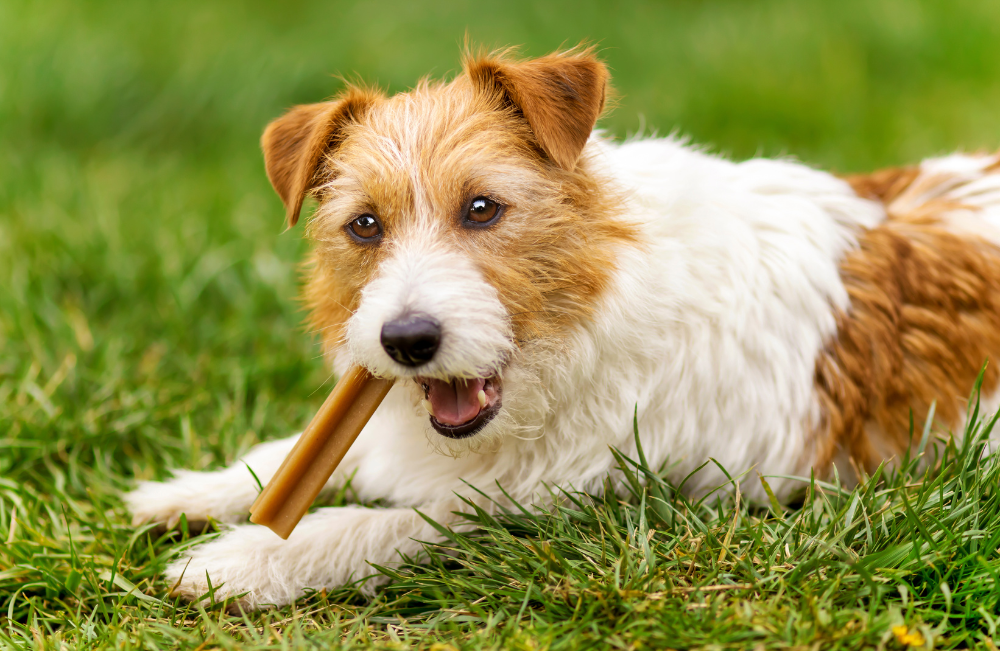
(147, 322)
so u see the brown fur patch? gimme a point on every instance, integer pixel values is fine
(925, 314)
(883, 185)
(560, 95)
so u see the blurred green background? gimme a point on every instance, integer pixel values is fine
(146, 287)
(147, 313)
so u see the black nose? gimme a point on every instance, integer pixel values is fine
(412, 340)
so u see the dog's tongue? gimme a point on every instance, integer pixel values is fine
(456, 402)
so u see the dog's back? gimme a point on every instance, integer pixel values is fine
(785, 319)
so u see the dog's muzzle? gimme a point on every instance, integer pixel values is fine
(458, 408)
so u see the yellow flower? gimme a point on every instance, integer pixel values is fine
(906, 638)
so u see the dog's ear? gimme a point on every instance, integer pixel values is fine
(295, 143)
(560, 95)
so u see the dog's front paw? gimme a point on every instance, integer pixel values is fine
(200, 496)
(330, 548)
(245, 565)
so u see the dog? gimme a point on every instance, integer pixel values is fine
(532, 286)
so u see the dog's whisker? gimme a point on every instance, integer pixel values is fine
(316, 331)
(524, 312)
(523, 438)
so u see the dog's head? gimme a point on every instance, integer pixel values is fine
(459, 225)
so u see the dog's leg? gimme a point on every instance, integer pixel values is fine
(223, 495)
(330, 547)
(226, 495)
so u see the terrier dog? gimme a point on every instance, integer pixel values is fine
(531, 285)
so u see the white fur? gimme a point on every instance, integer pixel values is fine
(423, 277)
(711, 328)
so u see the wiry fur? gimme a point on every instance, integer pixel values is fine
(646, 275)
(924, 309)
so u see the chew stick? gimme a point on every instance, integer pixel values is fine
(319, 451)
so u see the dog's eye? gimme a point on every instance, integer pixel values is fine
(483, 211)
(365, 228)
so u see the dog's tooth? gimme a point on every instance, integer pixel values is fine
(427, 405)
(482, 398)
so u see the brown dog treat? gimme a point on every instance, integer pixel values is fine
(319, 451)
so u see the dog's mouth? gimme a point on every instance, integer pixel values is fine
(460, 408)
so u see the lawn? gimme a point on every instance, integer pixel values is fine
(148, 321)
